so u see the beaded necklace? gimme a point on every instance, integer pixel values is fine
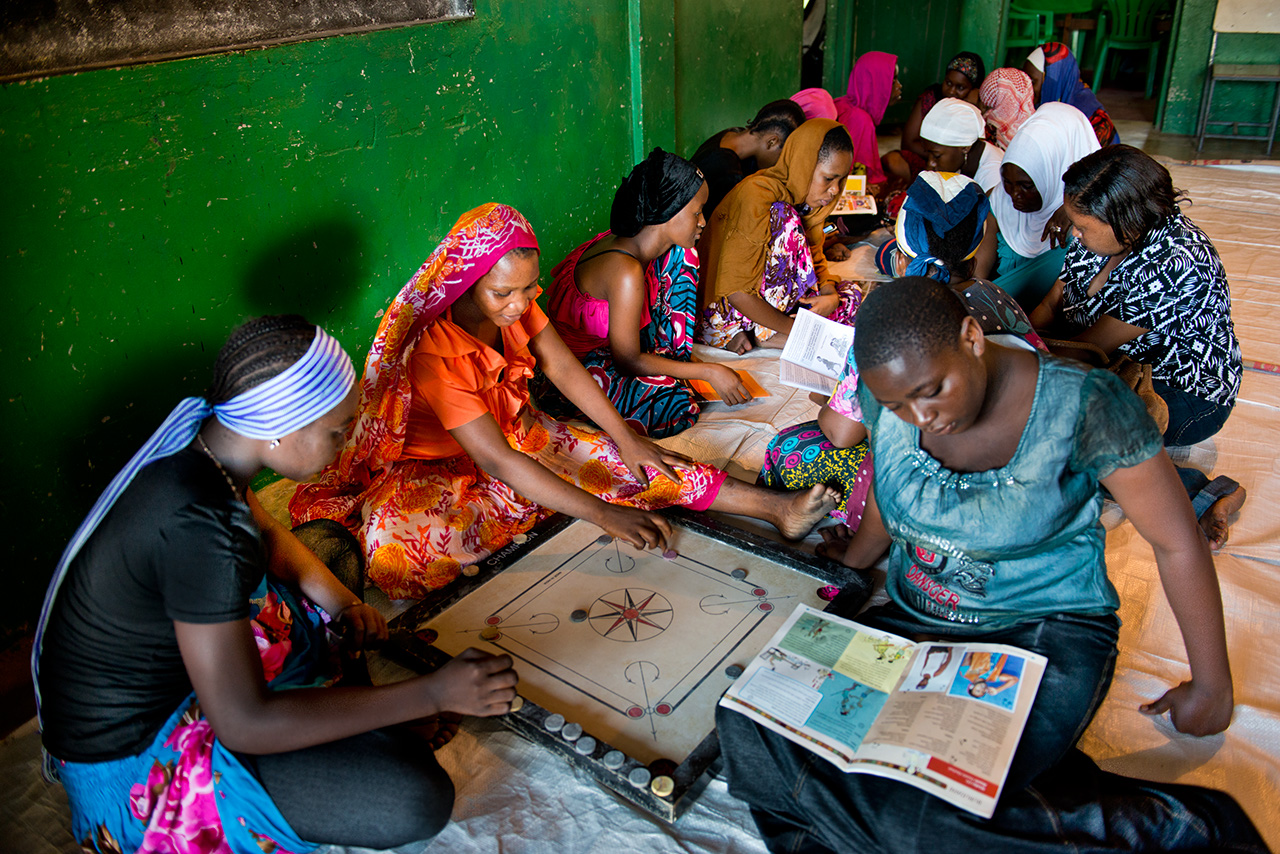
(231, 483)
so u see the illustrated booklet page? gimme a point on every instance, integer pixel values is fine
(943, 716)
(814, 353)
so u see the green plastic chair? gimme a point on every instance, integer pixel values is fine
(1026, 28)
(1130, 26)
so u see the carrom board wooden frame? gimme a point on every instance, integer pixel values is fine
(412, 650)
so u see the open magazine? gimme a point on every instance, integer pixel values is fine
(942, 716)
(814, 353)
(854, 199)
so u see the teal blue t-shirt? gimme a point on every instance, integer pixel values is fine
(994, 548)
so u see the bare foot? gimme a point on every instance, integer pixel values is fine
(1216, 521)
(437, 730)
(806, 509)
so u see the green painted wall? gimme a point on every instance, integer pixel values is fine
(151, 209)
(982, 27)
(1246, 102)
(734, 56)
(923, 38)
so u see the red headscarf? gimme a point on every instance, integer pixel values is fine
(476, 242)
(1009, 99)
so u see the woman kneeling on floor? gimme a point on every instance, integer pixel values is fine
(624, 302)
(762, 250)
(181, 611)
(986, 493)
(449, 459)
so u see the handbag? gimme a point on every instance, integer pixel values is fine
(1134, 374)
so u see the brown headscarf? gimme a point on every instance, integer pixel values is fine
(735, 244)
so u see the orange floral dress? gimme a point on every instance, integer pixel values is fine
(418, 503)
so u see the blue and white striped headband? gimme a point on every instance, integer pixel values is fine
(289, 401)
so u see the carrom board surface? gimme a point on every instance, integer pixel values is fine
(632, 646)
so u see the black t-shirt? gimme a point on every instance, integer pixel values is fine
(175, 546)
(722, 168)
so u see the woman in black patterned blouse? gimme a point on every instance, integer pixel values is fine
(1143, 280)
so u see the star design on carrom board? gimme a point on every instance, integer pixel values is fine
(632, 613)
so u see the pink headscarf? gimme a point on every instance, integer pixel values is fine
(871, 83)
(476, 242)
(1008, 96)
(816, 103)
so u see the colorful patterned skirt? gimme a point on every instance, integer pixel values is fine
(186, 793)
(653, 406)
(801, 456)
(788, 278)
(423, 520)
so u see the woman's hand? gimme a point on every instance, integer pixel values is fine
(361, 627)
(823, 304)
(475, 683)
(641, 528)
(1058, 229)
(727, 384)
(1194, 709)
(638, 452)
(740, 343)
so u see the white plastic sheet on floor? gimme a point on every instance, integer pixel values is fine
(514, 797)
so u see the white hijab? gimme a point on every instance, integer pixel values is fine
(1056, 136)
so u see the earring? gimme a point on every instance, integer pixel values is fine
(273, 444)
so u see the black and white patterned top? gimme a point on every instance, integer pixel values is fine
(1174, 286)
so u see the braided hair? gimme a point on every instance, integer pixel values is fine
(780, 117)
(258, 350)
(837, 141)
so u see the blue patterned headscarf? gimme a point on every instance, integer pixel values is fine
(942, 200)
(307, 390)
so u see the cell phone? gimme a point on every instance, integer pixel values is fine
(829, 228)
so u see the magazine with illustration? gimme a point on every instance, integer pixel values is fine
(854, 198)
(943, 716)
(814, 353)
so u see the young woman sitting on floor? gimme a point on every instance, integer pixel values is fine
(624, 302)
(942, 227)
(1055, 76)
(1028, 202)
(1142, 280)
(727, 157)
(449, 459)
(762, 252)
(988, 466)
(181, 611)
(951, 138)
(961, 80)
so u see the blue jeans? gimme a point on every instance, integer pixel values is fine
(1055, 797)
(1191, 419)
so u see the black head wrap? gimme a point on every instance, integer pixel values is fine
(653, 193)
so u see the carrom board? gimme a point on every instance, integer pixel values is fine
(632, 647)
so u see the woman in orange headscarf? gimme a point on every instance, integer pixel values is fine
(762, 250)
(449, 459)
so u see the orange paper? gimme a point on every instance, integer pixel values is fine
(704, 390)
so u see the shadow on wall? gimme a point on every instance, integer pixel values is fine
(316, 272)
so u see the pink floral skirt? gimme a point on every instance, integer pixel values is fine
(186, 793)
